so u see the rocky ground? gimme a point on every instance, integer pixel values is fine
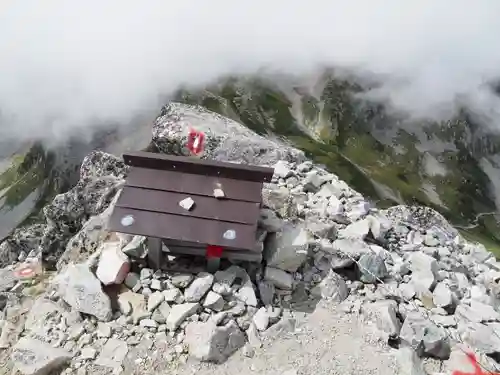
(345, 288)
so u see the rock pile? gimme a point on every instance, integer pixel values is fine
(405, 270)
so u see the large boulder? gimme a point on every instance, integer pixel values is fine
(225, 139)
(287, 249)
(101, 176)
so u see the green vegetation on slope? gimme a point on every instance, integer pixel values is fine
(347, 146)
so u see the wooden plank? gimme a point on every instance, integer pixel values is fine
(197, 166)
(173, 242)
(194, 184)
(244, 255)
(205, 207)
(184, 228)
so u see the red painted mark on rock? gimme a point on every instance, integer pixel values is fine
(196, 142)
(477, 367)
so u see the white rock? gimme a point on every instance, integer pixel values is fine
(261, 319)
(156, 284)
(80, 289)
(187, 203)
(148, 323)
(209, 342)
(113, 353)
(214, 301)
(282, 169)
(88, 353)
(442, 296)
(424, 271)
(173, 295)
(154, 300)
(199, 287)
(219, 193)
(113, 264)
(103, 330)
(34, 357)
(179, 313)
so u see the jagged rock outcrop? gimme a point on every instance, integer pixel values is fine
(226, 140)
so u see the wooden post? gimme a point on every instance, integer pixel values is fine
(155, 254)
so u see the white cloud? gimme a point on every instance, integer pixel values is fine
(64, 64)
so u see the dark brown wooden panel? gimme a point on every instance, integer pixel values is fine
(194, 184)
(205, 207)
(184, 228)
(244, 255)
(197, 166)
(176, 243)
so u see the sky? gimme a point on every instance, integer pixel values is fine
(68, 65)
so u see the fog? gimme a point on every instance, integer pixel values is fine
(67, 65)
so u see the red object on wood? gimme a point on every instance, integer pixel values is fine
(196, 141)
(214, 251)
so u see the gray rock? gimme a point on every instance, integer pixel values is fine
(214, 301)
(40, 313)
(287, 249)
(372, 268)
(228, 275)
(179, 313)
(269, 221)
(112, 354)
(211, 343)
(80, 289)
(278, 278)
(246, 293)
(477, 312)
(199, 287)
(350, 248)
(132, 280)
(356, 230)
(421, 333)
(332, 287)
(410, 363)
(164, 310)
(7, 279)
(384, 314)
(173, 295)
(483, 337)
(34, 357)
(266, 292)
(182, 280)
(136, 248)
